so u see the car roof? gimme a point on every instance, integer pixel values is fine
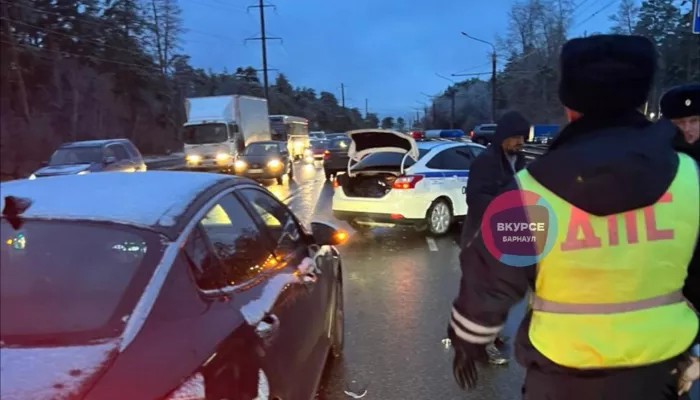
(148, 199)
(93, 143)
(428, 145)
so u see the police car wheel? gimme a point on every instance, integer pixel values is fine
(439, 218)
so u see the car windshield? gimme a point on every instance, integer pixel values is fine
(68, 282)
(339, 143)
(205, 134)
(76, 155)
(261, 149)
(387, 160)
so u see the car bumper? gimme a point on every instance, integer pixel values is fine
(376, 218)
(265, 174)
(396, 206)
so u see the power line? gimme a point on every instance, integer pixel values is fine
(263, 38)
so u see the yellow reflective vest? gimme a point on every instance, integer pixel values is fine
(608, 293)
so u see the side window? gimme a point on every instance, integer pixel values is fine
(278, 219)
(133, 151)
(119, 152)
(476, 151)
(455, 158)
(109, 152)
(240, 248)
(232, 129)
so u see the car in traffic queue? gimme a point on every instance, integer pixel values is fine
(318, 148)
(394, 180)
(335, 157)
(483, 134)
(80, 158)
(184, 286)
(265, 160)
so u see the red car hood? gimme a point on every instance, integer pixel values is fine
(52, 373)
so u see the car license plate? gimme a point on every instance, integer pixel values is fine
(255, 171)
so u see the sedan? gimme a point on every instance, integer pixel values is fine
(210, 288)
(335, 158)
(265, 160)
(80, 158)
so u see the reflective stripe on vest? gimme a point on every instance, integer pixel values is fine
(608, 293)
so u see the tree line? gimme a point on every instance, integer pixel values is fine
(528, 80)
(90, 69)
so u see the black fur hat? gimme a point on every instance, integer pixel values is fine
(680, 102)
(606, 73)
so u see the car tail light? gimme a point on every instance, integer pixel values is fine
(407, 182)
(417, 135)
(326, 155)
(191, 389)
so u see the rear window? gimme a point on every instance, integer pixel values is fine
(261, 149)
(338, 144)
(66, 282)
(388, 160)
(318, 145)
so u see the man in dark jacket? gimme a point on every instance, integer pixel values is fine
(494, 168)
(607, 320)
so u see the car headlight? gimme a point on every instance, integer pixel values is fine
(308, 152)
(239, 164)
(193, 158)
(274, 164)
(32, 177)
(222, 157)
(83, 172)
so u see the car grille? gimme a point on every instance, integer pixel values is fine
(254, 166)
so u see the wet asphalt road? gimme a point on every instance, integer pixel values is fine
(398, 293)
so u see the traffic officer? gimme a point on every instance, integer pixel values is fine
(604, 229)
(682, 106)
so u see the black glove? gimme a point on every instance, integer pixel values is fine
(464, 363)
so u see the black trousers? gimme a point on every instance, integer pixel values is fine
(654, 382)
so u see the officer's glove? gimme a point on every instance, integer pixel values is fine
(466, 356)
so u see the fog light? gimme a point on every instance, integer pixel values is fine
(239, 165)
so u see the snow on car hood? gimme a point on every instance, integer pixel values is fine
(51, 373)
(68, 169)
(368, 141)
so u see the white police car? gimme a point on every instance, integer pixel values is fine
(394, 180)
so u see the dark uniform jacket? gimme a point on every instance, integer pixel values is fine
(626, 163)
(489, 173)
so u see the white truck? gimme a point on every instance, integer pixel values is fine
(218, 129)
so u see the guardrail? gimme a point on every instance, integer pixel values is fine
(165, 163)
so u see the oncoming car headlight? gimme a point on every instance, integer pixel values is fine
(222, 157)
(308, 152)
(193, 158)
(83, 172)
(32, 177)
(239, 164)
(274, 164)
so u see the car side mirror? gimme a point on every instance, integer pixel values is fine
(325, 233)
(109, 160)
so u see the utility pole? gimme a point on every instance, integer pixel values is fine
(263, 39)
(493, 75)
(453, 93)
(342, 94)
(366, 108)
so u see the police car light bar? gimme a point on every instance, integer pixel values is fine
(444, 134)
(418, 135)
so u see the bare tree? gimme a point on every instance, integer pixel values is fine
(625, 20)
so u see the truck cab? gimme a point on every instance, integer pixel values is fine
(212, 145)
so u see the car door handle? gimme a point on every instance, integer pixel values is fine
(267, 327)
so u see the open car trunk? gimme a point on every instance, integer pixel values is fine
(368, 184)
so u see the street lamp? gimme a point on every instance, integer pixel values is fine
(493, 74)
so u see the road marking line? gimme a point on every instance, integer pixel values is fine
(431, 244)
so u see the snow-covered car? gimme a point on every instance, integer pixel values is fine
(163, 285)
(394, 180)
